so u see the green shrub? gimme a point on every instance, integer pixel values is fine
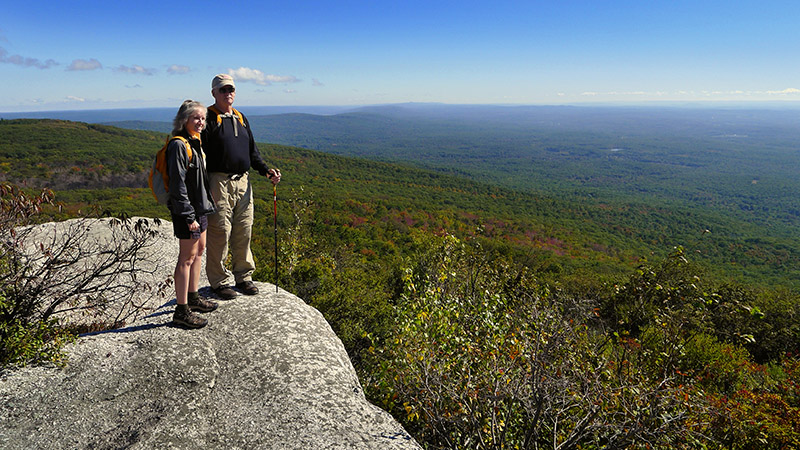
(717, 365)
(36, 341)
(355, 302)
(484, 356)
(765, 416)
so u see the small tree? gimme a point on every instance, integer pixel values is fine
(47, 273)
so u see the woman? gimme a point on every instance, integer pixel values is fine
(189, 203)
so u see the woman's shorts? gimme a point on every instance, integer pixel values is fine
(181, 228)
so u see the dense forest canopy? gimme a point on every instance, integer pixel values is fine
(499, 285)
(632, 181)
(736, 161)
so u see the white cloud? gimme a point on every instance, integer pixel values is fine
(72, 98)
(316, 82)
(82, 64)
(784, 91)
(178, 69)
(256, 76)
(685, 93)
(24, 61)
(289, 91)
(135, 70)
(282, 79)
(636, 93)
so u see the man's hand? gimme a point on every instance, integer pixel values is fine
(274, 175)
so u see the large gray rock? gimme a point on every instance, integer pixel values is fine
(266, 373)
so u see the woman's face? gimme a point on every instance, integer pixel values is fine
(224, 96)
(196, 122)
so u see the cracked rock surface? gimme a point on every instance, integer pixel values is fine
(267, 372)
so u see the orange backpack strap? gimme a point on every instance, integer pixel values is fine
(185, 144)
(219, 115)
(161, 189)
(162, 162)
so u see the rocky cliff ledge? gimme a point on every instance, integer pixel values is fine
(266, 373)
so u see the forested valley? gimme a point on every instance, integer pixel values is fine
(589, 289)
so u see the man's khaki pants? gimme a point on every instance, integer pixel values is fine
(230, 227)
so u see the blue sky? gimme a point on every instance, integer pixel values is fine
(90, 55)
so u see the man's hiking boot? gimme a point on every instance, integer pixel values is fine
(225, 292)
(197, 303)
(247, 287)
(184, 317)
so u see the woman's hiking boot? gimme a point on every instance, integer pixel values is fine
(184, 317)
(197, 303)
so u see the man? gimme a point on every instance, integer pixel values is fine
(231, 152)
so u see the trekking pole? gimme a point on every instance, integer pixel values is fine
(275, 205)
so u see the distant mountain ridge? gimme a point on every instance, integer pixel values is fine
(108, 116)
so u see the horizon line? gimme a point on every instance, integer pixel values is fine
(758, 104)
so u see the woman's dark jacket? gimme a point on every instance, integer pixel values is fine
(189, 190)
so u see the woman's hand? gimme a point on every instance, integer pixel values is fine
(194, 226)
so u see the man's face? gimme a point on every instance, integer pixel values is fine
(224, 95)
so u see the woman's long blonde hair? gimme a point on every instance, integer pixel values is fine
(184, 112)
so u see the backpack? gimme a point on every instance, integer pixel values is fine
(218, 113)
(159, 175)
